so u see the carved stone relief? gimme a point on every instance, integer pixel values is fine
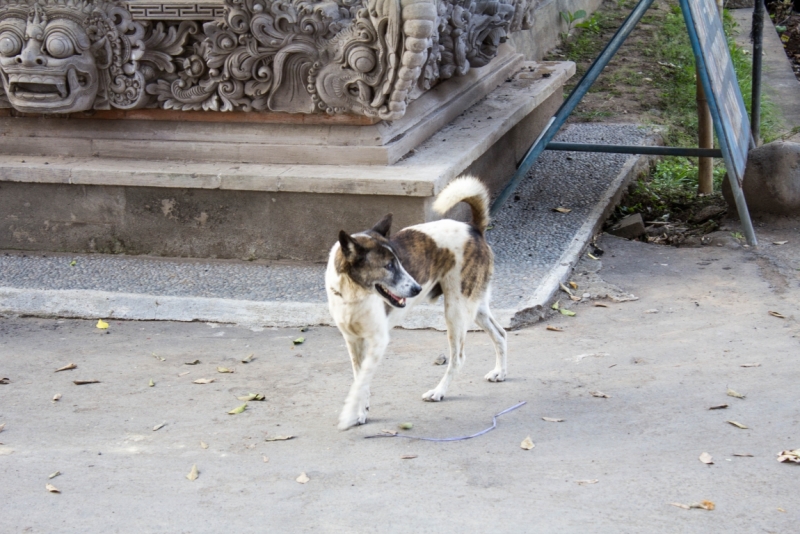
(365, 57)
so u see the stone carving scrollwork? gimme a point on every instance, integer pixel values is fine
(364, 57)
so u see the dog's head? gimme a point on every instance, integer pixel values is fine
(369, 260)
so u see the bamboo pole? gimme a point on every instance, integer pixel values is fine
(705, 138)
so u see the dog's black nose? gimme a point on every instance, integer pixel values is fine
(415, 290)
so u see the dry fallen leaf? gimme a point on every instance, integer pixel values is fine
(224, 370)
(732, 393)
(554, 328)
(249, 358)
(67, 367)
(203, 445)
(203, 381)
(556, 305)
(2, 426)
(82, 382)
(101, 324)
(704, 505)
(279, 438)
(157, 427)
(781, 510)
(651, 311)
(573, 285)
(194, 473)
(743, 454)
(159, 358)
(388, 432)
(184, 373)
(54, 475)
(238, 409)
(57, 397)
(737, 425)
(565, 289)
(789, 456)
(568, 313)
(151, 383)
(527, 444)
(580, 357)
(303, 478)
(408, 456)
(776, 314)
(779, 242)
(599, 394)
(562, 210)
(600, 305)
(193, 362)
(587, 482)
(251, 397)
(719, 407)
(592, 256)
(265, 458)
(440, 360)
(52, 489)
(552, 419)
(706, 458)
(5, 381)
(750, 365)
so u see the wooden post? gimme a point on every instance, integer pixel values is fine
(705, 138)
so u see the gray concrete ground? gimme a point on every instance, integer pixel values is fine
(663, 360)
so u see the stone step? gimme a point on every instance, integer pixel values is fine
(267, 211)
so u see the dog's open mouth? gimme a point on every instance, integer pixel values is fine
(394, 300)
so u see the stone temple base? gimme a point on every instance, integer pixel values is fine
(72, 189)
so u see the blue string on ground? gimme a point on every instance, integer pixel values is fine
(482, 432)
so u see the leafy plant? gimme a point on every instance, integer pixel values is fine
(592, 24)
(569, 18)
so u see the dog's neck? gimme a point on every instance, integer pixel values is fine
(348, 291)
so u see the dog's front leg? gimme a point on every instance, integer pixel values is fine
(355, 406)
(355, 347)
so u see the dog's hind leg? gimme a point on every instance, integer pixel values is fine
(457, 318)
(485, 320)
(355, 406)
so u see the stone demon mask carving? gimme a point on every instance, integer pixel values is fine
(365, 57)
(62, 56)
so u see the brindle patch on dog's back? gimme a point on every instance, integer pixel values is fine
(420, 256)
(476, 272)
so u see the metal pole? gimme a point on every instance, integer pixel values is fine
(557, 121)
(757, 34)
(633, 149)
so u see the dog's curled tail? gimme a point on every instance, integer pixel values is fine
(470, 190)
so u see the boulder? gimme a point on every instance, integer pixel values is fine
(771, 180)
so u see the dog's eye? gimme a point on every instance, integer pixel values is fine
(390, 266)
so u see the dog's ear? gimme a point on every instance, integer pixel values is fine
(350, 247)
(382, 227)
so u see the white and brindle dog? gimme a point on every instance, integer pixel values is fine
(373, 280)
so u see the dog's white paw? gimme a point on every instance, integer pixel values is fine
(349, 420)
(495, 375)
(433, 395)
